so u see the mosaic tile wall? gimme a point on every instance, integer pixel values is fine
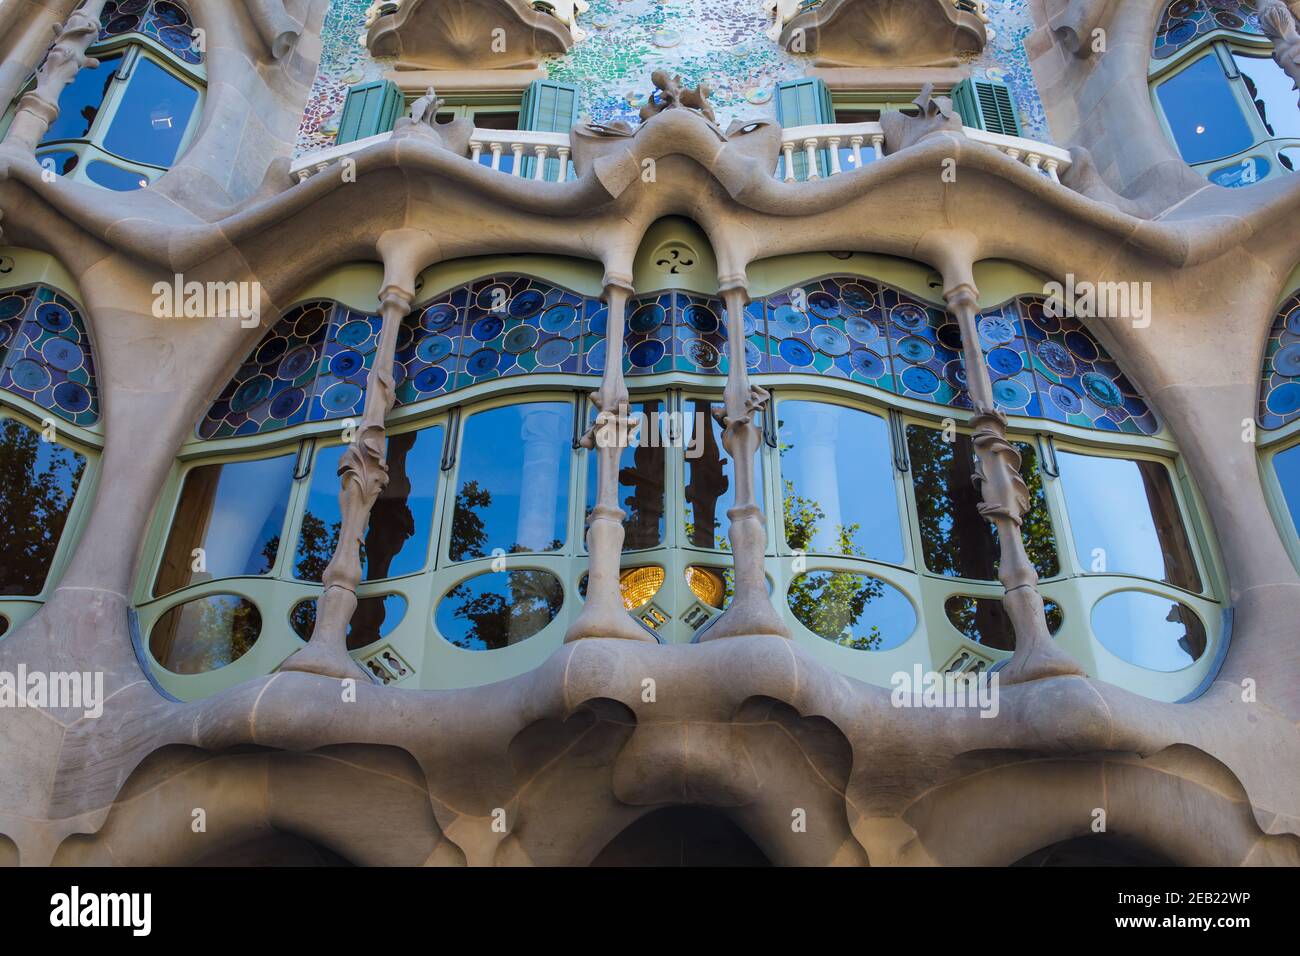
(722, 41)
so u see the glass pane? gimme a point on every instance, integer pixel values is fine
(38, 481)
(499, 608)
(375, 617)
(115, 177)
(837, 473)
(234, 511)
(955, 538)
(640, 478)
(80, 101)
(1149, 631)
(205, 634)
(985, 620)
(710, 491)
(514, 480)
(1287, 466)
(397, 539)
(1125, 519)
(152, 116)
(855, 611)
(713, 586)
(1273, 93)
(496, 120)
(1203, 112)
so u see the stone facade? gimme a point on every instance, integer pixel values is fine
(552, 765)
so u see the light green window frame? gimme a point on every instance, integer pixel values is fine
(877, 101)
(19, 609)
(1222, 45)
(476, 106)
(1283, 441)
(935, 643)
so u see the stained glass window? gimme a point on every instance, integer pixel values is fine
(1185, 20)
(676, 331)
(860, 330)
(45, 353)
(1279, 391)
(166, 21)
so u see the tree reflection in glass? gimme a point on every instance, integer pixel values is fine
(956, 539)
(1125, 519)
(640, 478)
(514, 481)
(234, 512)
(852, 610)
(38, 482)
(205, 634)
(500, 608)
(709, 492)
(397, 537)
(838, 476)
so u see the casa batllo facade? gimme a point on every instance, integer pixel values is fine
(480, 432)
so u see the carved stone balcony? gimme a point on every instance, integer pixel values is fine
(473, 34)
(880, 33)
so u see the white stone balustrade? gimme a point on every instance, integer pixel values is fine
(848, 146)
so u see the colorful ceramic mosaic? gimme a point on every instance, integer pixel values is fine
(1185, 20)
(722, 42)
(852, 328)
(45, 353)
(1279, 392)
(166, 21)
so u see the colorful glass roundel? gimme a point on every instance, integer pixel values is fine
(1185, 20)
(166, 21)
(1279, 389)
(1041, 367)
(45, 353)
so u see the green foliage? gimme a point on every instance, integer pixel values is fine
(35, 497)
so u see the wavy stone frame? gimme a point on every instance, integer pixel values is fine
(749, 724)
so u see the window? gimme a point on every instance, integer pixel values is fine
(709, 489)
(1126, 519)
(227, 523)
(513, 485)
(640, 476)
(38, 483)
(1230, 109)
(486, 110)
(123, 123)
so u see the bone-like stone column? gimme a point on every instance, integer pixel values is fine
(363, 473)
(603, 614)
(1006, 499)
(1278, 20)
(40, 107)
(751, 610)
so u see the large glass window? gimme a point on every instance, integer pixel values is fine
(123, 123)
(1125, 519)
(397, 538)
(1203, 112)
(837, 474)
(955, 538)
(1272, 92)
(710, 491)
(227, 523)
(513, 491)
(640, 477)
(1286, 465)
(38, 482)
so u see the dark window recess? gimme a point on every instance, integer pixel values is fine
(496, 120)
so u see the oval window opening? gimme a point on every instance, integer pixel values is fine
(1149, 631)
(710, 585)
(985, 620)
(374, 618)
(205, 634)
(852, 610)
(499, 608)
(637, 586)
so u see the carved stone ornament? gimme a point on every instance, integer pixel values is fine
(1279, 23)
(937, 116)
(880, 32)
(473, 34)
(670, 94)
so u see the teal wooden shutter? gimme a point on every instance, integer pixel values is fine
(805, 102)
(987, 105)
(370, 109)
(548, 107)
